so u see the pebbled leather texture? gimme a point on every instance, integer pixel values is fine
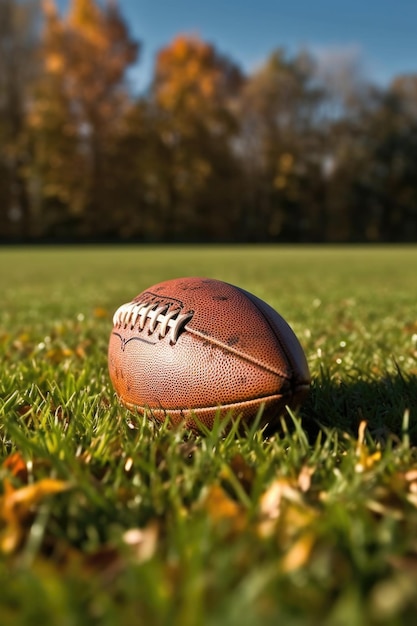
(228, 351)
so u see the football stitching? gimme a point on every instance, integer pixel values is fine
(171, 322)
(130, 313)
(124, 342)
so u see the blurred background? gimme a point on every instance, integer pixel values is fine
(153, 121)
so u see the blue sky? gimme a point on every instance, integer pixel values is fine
(381, 35)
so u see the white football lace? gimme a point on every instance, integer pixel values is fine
(173, 321)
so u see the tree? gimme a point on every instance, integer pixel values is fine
(393, 129)
(78, 114)
(192, 110)
(281, 148)
(19, 23)
(373, 185)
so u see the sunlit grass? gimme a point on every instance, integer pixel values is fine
(108, 520)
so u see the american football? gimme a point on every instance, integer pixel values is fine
(189, 349)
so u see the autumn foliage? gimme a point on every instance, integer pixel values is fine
(206, 153)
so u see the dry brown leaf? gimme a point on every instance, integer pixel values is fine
(102, 559)
(243, 472)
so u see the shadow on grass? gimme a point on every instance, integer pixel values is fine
(388, 405)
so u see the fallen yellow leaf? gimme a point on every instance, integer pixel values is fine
(59, 354)
(221, 508)
(270, 504)
(17, 507)
(366, 459)
(299, 553)
(304, 478)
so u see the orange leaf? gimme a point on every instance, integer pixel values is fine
(100, 312)
(16, 465)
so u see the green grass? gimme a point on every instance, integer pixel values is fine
(104, 521)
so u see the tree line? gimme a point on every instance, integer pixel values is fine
(291, 152)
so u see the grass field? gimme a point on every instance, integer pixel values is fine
(107, 521)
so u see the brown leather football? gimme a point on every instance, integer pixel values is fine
(197, 347)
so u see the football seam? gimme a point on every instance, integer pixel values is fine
(230, 405)
(288, 355)
(241, 355)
